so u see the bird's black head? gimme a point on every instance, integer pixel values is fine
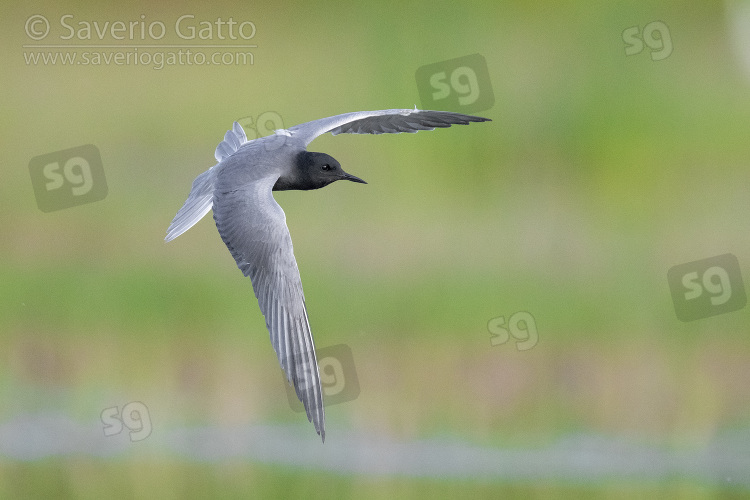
(317, 170)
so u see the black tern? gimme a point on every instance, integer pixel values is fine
(253, 226)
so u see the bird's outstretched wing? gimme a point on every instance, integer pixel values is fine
(253, 226)
(387, 121)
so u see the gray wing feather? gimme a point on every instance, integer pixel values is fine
(387, 121)
(253, 226)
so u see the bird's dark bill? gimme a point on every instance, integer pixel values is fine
(353, 178)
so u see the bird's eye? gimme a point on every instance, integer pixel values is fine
(326, 167)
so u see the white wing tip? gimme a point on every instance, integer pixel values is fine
(233, 140)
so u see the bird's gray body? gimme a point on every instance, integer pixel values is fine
(253, 226)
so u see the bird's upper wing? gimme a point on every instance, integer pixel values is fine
(253, 226)
(387, 121)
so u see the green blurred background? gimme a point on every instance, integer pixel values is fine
(599, 172)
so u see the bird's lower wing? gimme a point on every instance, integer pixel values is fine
(253, 227)
(386, 121)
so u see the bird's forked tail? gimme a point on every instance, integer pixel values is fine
(200, 199)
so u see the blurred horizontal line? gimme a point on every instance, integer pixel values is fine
(580, 457)
(139, 46)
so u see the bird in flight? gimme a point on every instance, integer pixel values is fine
(253, 226)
